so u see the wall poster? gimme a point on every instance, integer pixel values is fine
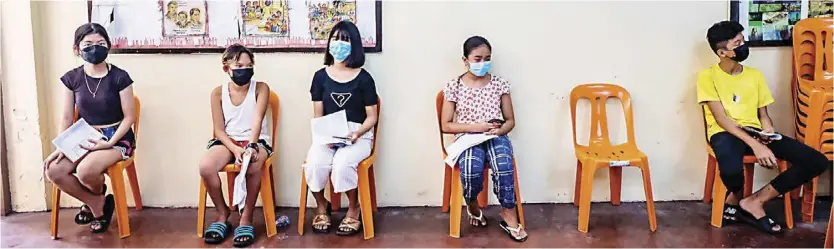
(770, 22)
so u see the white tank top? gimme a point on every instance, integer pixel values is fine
(239, 118)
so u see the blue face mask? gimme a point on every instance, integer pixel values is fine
(340, 50)
(480, 68)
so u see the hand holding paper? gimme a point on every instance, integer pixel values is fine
(72, 142)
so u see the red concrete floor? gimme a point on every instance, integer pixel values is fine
(680, 224)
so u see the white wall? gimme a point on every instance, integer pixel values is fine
(545, 48)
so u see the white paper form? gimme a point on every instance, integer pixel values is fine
(462, 143)
(70, 141)
(328, 129)
(240, 182)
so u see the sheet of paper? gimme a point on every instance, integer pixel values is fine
(462, 143)
(772, 136)
(326, 129)
(70, 141)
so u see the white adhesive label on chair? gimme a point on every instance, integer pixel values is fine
(618, 163)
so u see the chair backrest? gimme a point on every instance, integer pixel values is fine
(439, 105)
(137, 110)
(274, 107)
(598, 94)
(376, 126)
(813, 55)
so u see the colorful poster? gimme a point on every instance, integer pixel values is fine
(265, 17)
(772, 20)
(324, 14)
(820, 8)
(184, 18)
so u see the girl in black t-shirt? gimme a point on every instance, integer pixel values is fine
(103, 96)
(341, 86)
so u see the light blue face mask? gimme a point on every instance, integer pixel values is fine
(480, 68)
(340, 50)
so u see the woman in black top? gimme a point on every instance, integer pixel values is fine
(103, 96)
(341, 86)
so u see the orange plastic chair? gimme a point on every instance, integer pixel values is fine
(118, 183)
(812, 94)
(267, 184)
(452, 184)
(367, 189)
(828, 236)
(600, 153)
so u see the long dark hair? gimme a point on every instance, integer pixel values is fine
(347, 31)
(89, 29)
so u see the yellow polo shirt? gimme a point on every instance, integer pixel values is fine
(741, 95)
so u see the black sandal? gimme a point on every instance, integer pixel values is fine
(765, 223)
(730, 215)
(326, 229)
(511, 230)
(216, 232)
(242, 232)
(347, 228)
(84, 216)
(104, 221)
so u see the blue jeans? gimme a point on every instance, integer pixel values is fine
(498, 152)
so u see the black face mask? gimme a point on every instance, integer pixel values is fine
(242, 76)
(94, 54)
(741, 52)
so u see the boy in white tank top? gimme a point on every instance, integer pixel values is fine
(238, 108)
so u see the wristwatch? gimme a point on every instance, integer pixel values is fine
(253, 146)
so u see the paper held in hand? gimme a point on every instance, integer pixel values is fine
(761, 134)
(330, 129)
(240, 181)
(70, 141)
(462, 143)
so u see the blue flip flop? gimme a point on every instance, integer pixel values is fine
(244, 232)
(216, 232)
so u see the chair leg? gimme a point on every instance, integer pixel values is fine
(302, 204)
(365, 203)
(335, 199)
(787, 199)
(455, 204)
(483, 196)
(134, 186)
(809, 195)
(577, 187)
(719, 196)
(708, 180)
(56, 210)
(647, 187)
(373, 187)
(615, 177)
(268, 203)
(230, 187)
(748, 179)
(585, 197)
(519, 209)
(119, 192)
(828, 236)
(201, 210)
(447, 188)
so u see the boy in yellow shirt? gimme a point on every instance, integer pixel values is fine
(735, 100)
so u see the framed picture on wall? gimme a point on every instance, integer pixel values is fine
(201, 26)
(770, 22)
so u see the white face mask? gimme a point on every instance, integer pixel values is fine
(480, 68)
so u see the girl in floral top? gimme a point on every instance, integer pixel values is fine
(479, 102)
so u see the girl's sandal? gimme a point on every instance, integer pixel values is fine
(516, 230)
(480, 220)
(84, 216)
(322, 219)
(730, 215)
(244, 236)
(216, 232)
(349, 226)
(100, 224)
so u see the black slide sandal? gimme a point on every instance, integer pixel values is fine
(329, 212)
(216, 232)
(765, 223)
(84, 216)
(104, 221)
(730, 215)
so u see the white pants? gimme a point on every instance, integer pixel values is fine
(339, 164)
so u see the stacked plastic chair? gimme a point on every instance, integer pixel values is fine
(811, 86)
